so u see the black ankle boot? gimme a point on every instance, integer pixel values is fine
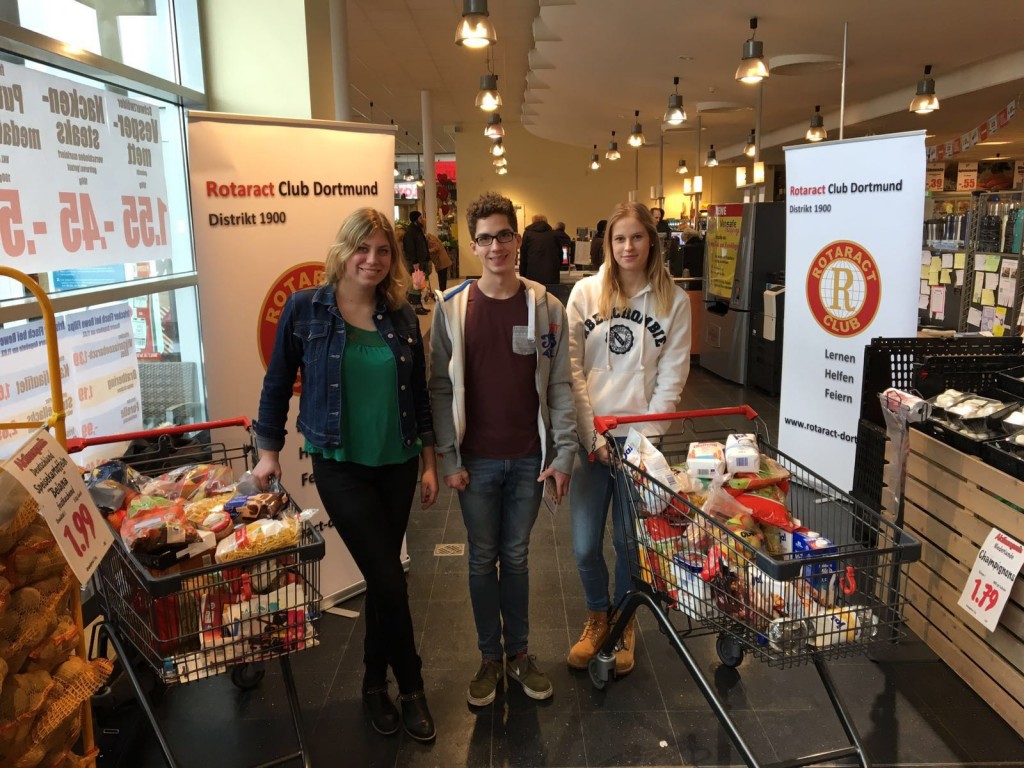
(416, 716)
(382, 710)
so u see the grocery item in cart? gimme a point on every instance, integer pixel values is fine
(640, 452)
(742, 454)
(160, 529)
(259, 538)
(705, 460)
(768, 506)
(191, 482)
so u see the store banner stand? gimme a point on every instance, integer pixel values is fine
(268, 195)
(853, 246)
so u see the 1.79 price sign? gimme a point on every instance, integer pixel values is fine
(995, 569)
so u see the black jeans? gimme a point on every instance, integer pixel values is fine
(442, 279)
(369, 507)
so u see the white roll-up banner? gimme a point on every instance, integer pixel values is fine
(268, 196)
(853, 261)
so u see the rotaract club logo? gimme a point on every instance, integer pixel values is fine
(305, 275)
(844, 288)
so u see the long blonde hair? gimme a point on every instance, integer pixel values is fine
(356, 227)
(612, 295)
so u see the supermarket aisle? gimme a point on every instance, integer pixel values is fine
(913, 713)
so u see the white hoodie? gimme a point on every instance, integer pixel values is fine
(639, 368)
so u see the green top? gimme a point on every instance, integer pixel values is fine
(371, 428)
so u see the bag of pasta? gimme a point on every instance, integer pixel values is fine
(258, 538)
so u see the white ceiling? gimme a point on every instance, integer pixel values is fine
(596, 61)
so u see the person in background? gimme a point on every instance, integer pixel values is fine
(416, 254)
(439, 256)
(364, 412)
(540, 257)
(629, 340)
(564, 242)
(597, 245)
(501, 390)
(660, 225)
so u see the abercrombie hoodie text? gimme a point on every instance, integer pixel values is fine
(633, 315)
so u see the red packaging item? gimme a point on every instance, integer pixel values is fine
(158, 530)
(768, 505)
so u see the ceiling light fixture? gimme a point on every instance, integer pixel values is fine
(750, 148)
(502, 170)
(636, 136)
(675, 114)
(817, 130)
(500, 161)
(494, 129)
(712, 160)
(595, 160)
(613, 149)
(497, 148)
(682, 168)
(925, 100)
(488, 98)
(752, 68)
(475, 29)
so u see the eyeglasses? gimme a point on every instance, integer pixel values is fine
(505, 236)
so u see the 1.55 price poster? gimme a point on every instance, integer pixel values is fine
(81, 175)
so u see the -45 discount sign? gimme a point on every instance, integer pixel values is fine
(81, 175)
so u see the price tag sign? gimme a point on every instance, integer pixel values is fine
(935, 177)
(81, 174)
(46, 471)
(966, 177)
(995, 569)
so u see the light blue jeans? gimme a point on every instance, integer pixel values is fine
(590, 492)
(499, 508)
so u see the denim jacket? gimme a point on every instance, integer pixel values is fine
(311, 339)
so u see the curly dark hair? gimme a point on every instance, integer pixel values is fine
(489, 204)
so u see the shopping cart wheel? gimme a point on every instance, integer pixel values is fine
(729, 650)
(600, 670)
(247, 676)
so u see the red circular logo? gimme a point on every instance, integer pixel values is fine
(844, 288)
(305, 275)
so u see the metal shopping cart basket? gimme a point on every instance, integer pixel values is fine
(789, 596)
(191, 624)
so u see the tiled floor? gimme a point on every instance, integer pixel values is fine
(914, 712)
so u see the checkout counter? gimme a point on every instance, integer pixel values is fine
(694, 287)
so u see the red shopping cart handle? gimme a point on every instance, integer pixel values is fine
(79, 443)
(604, 424)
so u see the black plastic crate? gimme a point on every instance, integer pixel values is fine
(889, 362)
(1011, 381)
(869, 464)
(1005, 456)
(934, 374)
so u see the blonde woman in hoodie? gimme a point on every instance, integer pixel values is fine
(629, 346)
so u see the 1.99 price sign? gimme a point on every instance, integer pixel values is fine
(46, 472)
(142, 223)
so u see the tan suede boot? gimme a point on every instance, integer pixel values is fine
(624, 650)
(594, 633)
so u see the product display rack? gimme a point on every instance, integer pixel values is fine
(979, 243)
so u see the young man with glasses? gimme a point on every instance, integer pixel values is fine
(504, 416)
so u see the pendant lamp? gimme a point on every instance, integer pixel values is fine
(750, 148)
(752, 68)
(682, 169)
(475, 29)
(816, 132)
(636, 136)
(925, 100)
(595, 160)
(494, 129)
(613, 149)
(487, 98)
(675, 114)
(712, 160)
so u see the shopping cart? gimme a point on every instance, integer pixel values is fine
(195, 623)
(828, 599)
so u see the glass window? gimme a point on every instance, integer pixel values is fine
(170, 192)
(137, 33)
